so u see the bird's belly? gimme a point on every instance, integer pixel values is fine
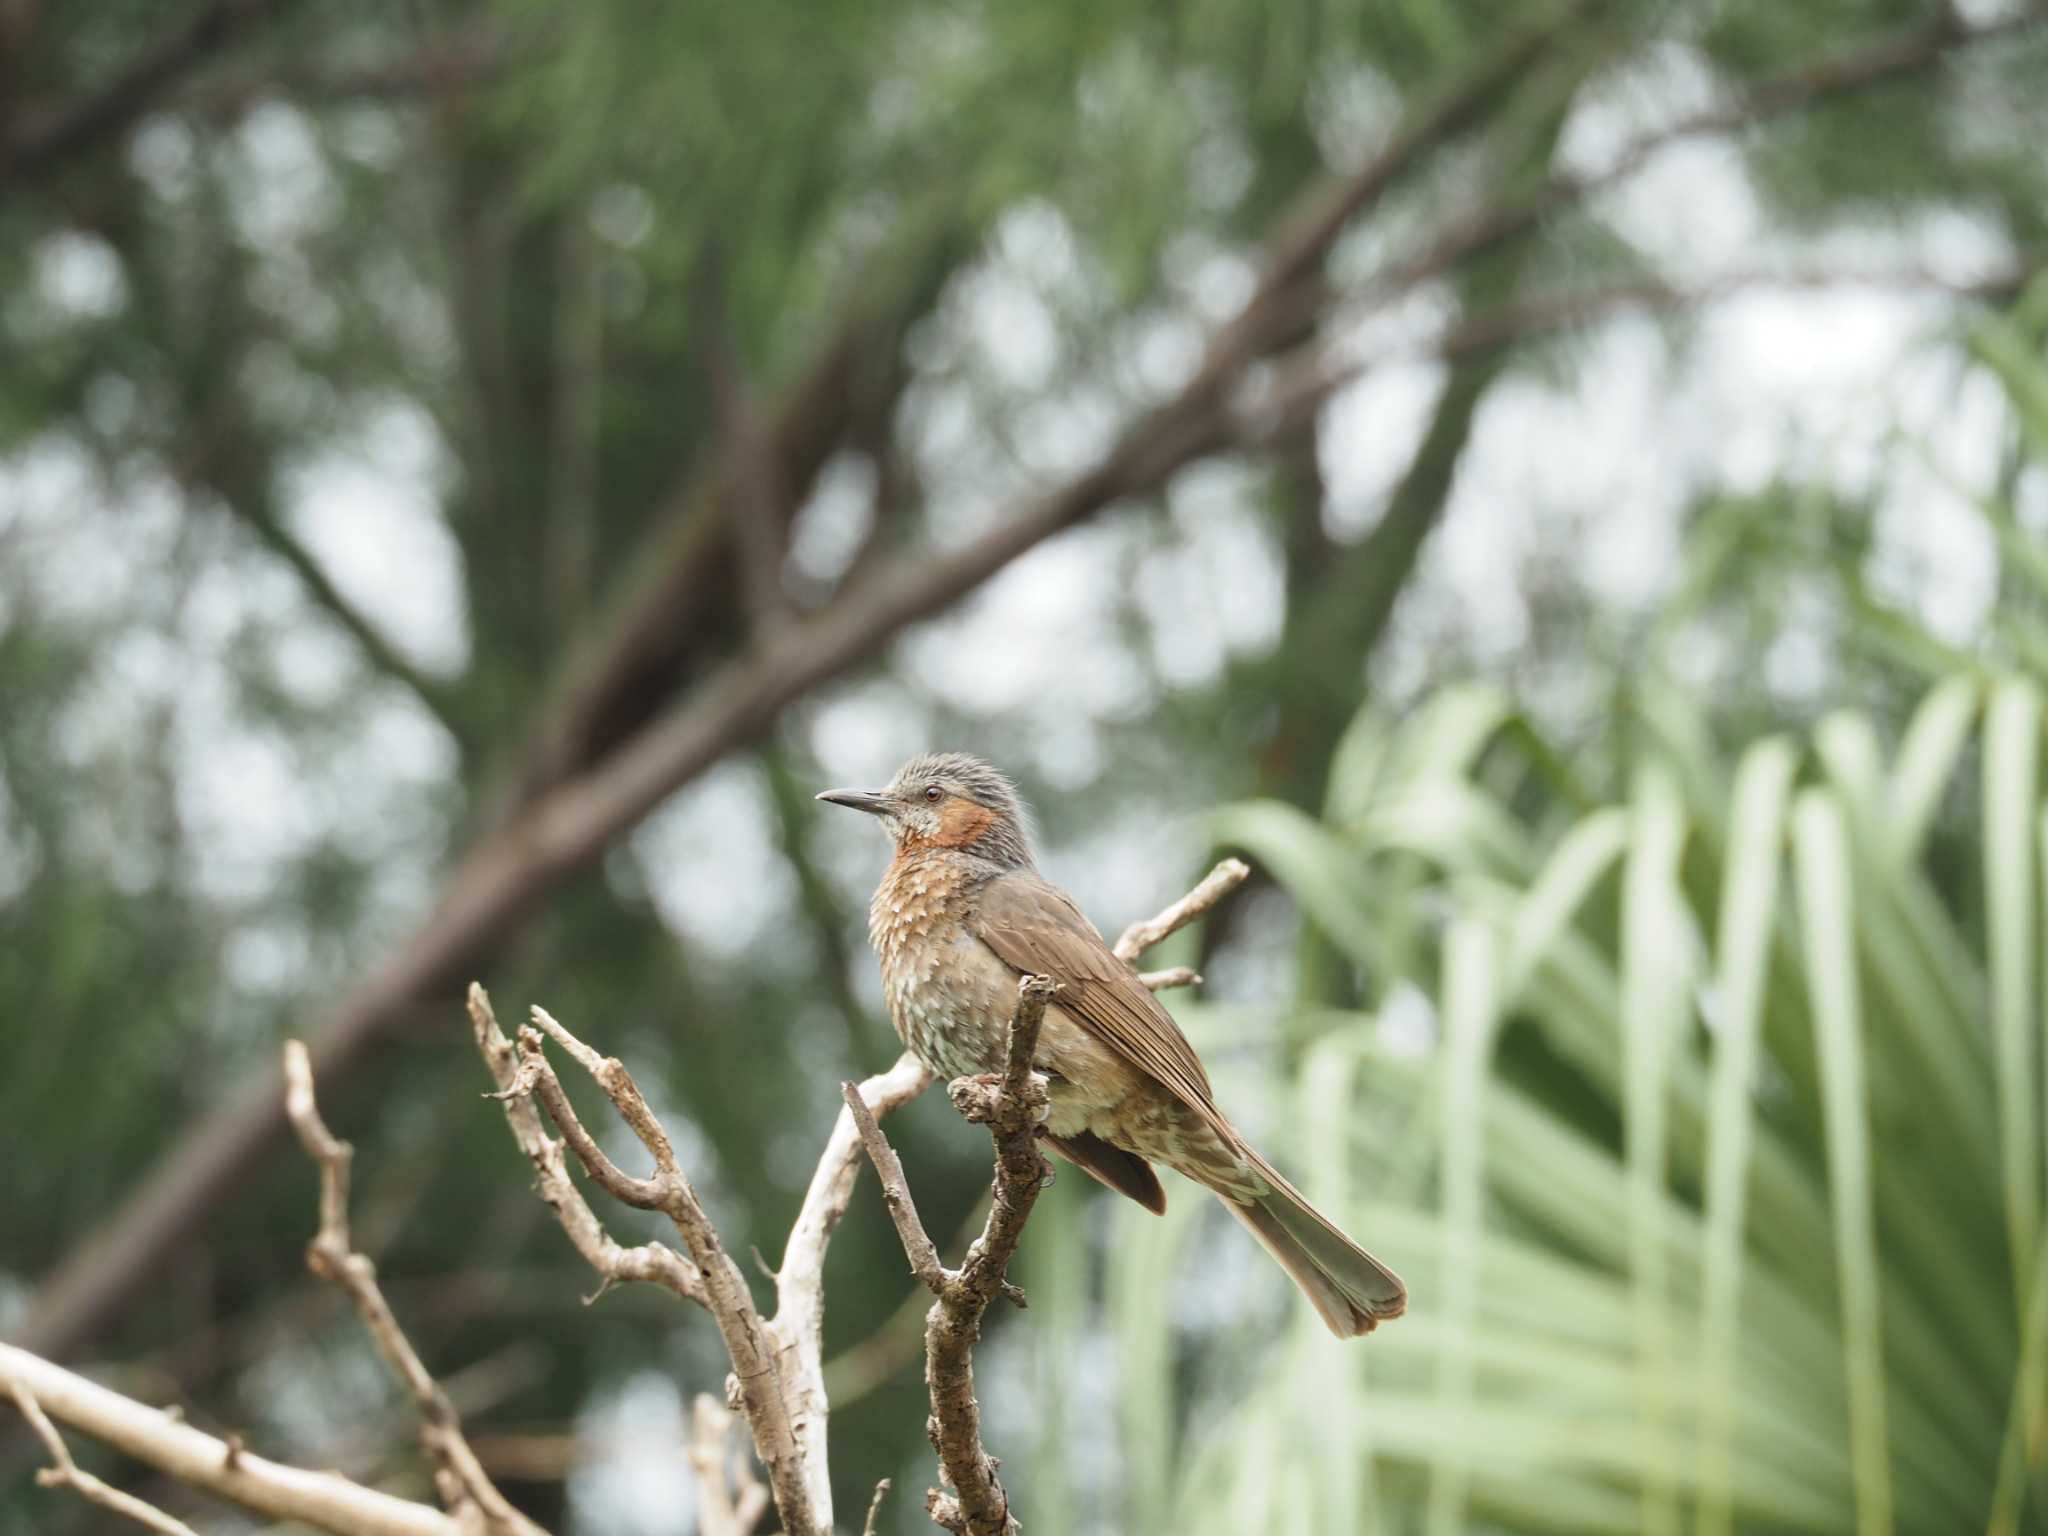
(952, 1000)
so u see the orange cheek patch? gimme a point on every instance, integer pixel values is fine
(961, 822)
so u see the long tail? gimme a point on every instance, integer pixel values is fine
(1352, 1290)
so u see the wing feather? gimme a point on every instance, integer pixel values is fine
(1037, 928)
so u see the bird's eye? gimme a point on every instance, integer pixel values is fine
(932, 792)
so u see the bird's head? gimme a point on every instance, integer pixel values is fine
(949, 800)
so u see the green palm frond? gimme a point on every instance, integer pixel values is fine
(1719, 1190)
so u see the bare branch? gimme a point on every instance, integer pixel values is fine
(1172, 976)
(332, 1257)
(324, 1500)
(874, 1521)
(1141, 936)
(80, 124)
(917, 1243)
(653, 1263)
(65, 1473)
(1011, 1105)
(799, 1324)
(709, 1450)
(802, 1493)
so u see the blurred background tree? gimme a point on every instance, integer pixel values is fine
(471, 470)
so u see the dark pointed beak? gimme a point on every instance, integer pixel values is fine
(874, 801)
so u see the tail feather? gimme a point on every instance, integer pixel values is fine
(1352, 1290)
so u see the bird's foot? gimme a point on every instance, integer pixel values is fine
(979, 1098)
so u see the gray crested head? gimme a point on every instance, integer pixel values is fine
(949, 800)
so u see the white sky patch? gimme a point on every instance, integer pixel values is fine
(288, 192)
(79, 276)
(711, 860)
(647, 1488)
(368, 510)
(1040, 634)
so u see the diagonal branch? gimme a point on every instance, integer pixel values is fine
(1781, 95)
(159, 1438)
(331, 1255)
(652, 1263)
(376, 647)
(66, 1473)
(79, 125)
(1141, 936)
(1011, 1105)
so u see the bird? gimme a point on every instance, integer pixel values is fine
(962, 913)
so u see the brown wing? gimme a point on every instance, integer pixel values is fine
(1037, 928)
(1125, 1172)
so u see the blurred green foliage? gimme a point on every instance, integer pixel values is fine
(501, 264)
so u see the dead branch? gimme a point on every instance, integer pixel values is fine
(79, 125)
(162, 1440)
(65, 1473)
(720, 1287)
(652, 1263)
(1011, 1105)
(799, 1324)
(875, 1508)
(1141, 936)
(463, 1482)
(730, 1501)
(778, 1377)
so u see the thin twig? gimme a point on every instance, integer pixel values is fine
(653, 1263)
(332, 1256)
(65, 1473)
(874, 1520)
(1011, 1105)
(799, 1324)
(917, 1243)
(1141, 936)
(802, 1494)
(161, 1439)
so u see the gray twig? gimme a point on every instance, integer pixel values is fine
(66, 1473)
(331, 1255)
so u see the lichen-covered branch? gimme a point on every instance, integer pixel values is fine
(331, 1255)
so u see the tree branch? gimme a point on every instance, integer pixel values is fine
(65, 1473)
(81, 124)
(1781, 95)
(722, 1289)
(463, 1482)
(1141, 936)
(160, 1439)
(652, 1263)
(377, 649)
(1011, 1105)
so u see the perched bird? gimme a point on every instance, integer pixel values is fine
(962, 912)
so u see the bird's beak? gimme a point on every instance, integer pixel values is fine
(874, 801)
